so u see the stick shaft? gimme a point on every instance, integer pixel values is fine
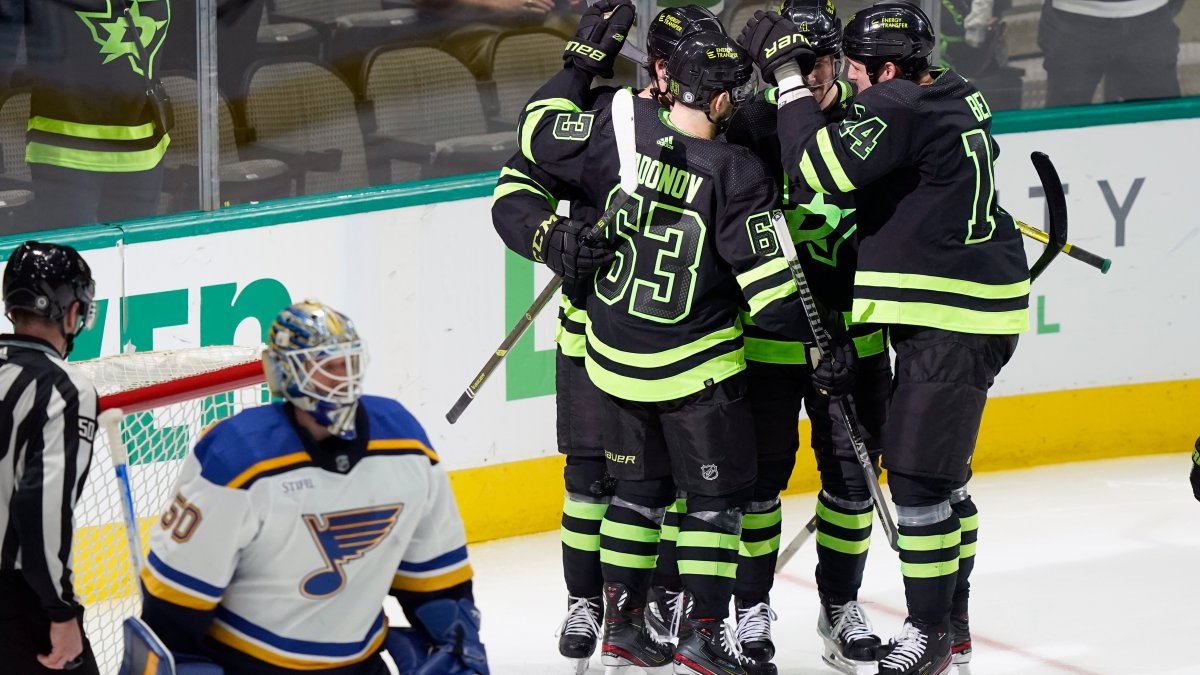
(1082, 255)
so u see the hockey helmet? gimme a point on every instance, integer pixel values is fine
(890, 31)
(706, 64)
(673, 24)
(316, 360)
(816, 20)
(44, 279)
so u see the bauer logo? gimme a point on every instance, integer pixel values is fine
(783, 43)
(620, 459)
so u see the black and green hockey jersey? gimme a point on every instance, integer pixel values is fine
(520, 201)
(695, 246)
(935, 248)
(89, 108)
(822, 226)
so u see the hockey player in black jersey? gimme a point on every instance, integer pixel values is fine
(823, 228)
(522, 193)
(940, 264)
(664, 342)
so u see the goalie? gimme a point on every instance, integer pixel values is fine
(292, 522)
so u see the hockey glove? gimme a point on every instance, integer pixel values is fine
(772, 41)
(835, 373)
(571, 251)
(453, 626)
(598, 39)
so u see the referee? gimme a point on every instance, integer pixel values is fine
(47, 423)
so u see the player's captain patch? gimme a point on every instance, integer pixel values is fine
(341, 537)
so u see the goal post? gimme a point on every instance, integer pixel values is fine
(168, 398)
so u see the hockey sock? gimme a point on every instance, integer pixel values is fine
(629, 539)
(968, 521)
(843, 537)
(666, 573)
(708, 553)
(761, 529)
(929, 547)
(580, 532)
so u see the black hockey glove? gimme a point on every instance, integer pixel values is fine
(835, 374)
(598, 39)
(572, 251)
(772, 41)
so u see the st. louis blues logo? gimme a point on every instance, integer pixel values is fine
(341, 537)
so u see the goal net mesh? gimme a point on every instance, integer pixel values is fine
(169, 398)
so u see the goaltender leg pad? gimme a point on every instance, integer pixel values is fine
(407, 647)
(145, 654)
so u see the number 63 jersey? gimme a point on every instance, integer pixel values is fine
(277, 553)
(935, 248)
(694, 244)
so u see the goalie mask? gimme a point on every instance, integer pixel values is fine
(315, 360)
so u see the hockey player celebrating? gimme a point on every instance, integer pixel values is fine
(823, 228)
(940, 263)
(291, 522)
(525, 197)
(664, 343)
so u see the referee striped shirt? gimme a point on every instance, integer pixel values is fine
(47, 425)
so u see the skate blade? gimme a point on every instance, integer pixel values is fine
(578, 666)
(851, 667)
(962, 658)
(630, 669)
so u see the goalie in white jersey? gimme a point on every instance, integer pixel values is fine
(292, 522)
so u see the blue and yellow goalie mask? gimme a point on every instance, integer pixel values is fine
(315, 360)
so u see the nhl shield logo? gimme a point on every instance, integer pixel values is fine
(708, 471)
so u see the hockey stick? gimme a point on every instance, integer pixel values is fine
(110, 421)
(845, 403)
(622, 117)
(1072, 251)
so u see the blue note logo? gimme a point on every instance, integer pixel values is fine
(341, 537)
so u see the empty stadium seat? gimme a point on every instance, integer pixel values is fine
(240, 181)
(441, 129)
(16, 191)
(304, 114)
(523, 61)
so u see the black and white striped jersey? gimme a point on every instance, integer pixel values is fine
(47, 425)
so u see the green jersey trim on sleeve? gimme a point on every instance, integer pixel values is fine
(763, 298)
(762, 271)
(832, 162)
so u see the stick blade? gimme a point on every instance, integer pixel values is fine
(1056, 204)
(622, 118)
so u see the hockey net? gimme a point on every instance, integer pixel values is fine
(168, 398)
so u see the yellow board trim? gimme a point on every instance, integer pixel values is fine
(429, 584)
(228, 638)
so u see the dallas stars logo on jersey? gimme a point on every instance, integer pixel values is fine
(113, 32)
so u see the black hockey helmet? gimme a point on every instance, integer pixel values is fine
(890, 31)
(44, 279)
(673, 24)
(816, 20)
(706, 64)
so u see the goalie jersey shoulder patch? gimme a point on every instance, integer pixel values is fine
(294, 560)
